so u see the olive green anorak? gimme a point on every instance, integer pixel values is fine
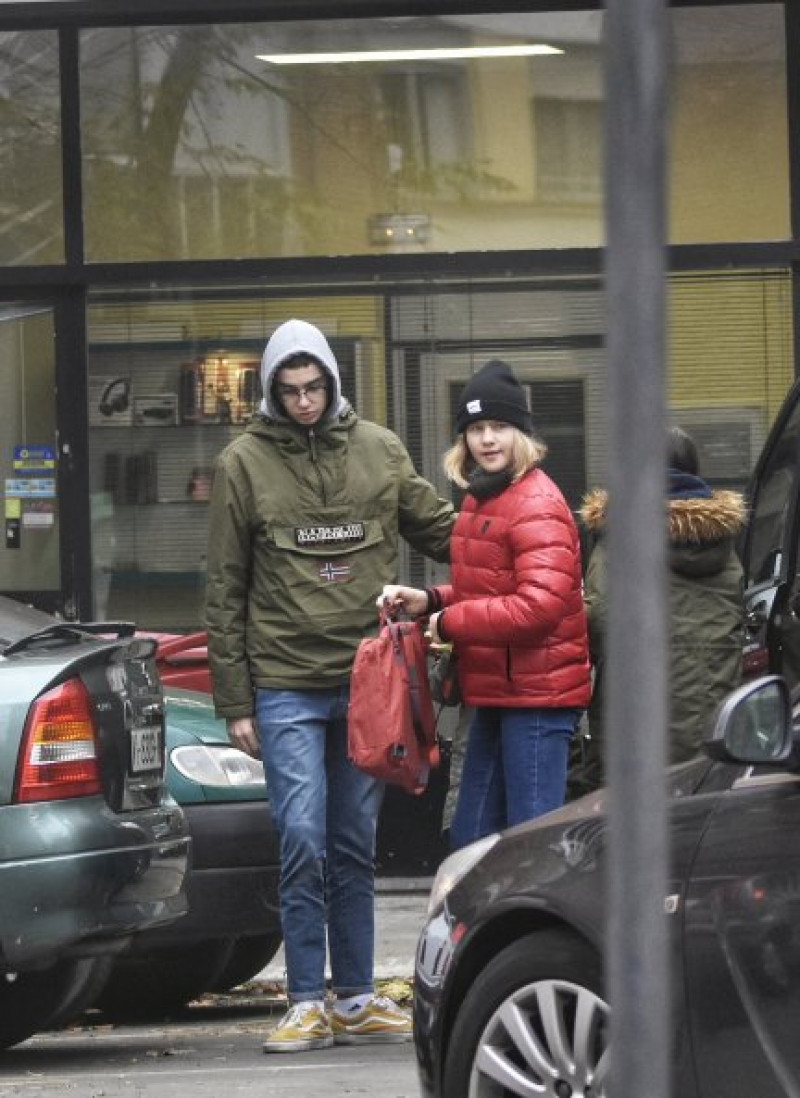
(304, 532)
(706, 620)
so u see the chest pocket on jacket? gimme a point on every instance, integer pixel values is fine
(329, 539)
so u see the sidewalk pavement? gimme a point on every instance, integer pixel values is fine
(400, 905)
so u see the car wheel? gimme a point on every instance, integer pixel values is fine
(34, 1001)
(90, 978)
(534, 1021)
(248, 957)
(152, 985)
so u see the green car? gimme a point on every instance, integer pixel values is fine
(232, 929)
(93, 849)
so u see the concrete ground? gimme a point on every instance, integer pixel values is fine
(214, 1046)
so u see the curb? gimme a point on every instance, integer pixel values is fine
(403, 884)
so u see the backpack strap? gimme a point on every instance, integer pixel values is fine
(398, 635)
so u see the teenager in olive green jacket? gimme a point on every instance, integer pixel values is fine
(307, 511)
(705, 608)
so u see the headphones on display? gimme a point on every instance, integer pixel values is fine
(116, 396)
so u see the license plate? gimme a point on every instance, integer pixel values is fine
(145, 748)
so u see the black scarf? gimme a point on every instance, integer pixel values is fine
(485, 485)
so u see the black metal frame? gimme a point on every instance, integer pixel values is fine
(19, 14)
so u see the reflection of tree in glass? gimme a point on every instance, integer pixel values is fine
(194, 147)
(30, 152)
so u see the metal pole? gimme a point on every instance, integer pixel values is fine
(636, 717)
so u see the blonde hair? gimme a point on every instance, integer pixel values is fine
(526, 453)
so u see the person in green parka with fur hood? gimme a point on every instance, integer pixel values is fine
(706, 608)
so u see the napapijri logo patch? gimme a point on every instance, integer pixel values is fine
(474, 406)
(346, 533)
(335, 572)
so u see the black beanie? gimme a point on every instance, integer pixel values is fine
(494, 393)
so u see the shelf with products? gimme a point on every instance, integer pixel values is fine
(150, 473)
(159, 415)
(166, 474)
(139, 386)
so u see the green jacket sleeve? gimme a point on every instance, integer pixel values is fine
(425, 518)
(228, 581)
(595, 594)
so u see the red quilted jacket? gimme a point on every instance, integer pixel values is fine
(514, 607)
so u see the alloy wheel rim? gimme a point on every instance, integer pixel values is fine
(548, 1040)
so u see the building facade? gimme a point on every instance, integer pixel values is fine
(425, 182)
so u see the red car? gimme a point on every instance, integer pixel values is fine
(182, 660)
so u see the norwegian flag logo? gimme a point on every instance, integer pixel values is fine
(334, 573)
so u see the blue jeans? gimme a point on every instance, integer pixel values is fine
(515, 768)
(326, 812)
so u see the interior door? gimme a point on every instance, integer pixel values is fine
(770, 558)
(30, 552)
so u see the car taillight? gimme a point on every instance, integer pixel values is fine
(59, 747)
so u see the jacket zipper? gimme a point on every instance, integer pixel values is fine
(312, 446)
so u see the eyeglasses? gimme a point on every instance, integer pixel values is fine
(296, 392)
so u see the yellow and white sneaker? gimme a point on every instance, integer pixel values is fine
(380, 1021)
(304, 1026)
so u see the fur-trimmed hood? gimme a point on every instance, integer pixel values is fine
(690, 520)
(702, 532)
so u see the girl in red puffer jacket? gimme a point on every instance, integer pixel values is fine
(513, 612)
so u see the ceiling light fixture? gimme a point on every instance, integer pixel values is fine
(444, 54)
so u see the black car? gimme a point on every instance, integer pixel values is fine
(509, 995)
(771, 550)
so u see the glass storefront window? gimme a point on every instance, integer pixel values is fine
(173, 376)
(171, 380)
(729, 160)
(30, 150)
(354, 136)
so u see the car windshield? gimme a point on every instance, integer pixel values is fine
(18, 621)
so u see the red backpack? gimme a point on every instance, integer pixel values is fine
(391, 723)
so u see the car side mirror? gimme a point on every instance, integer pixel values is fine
(753, 725)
